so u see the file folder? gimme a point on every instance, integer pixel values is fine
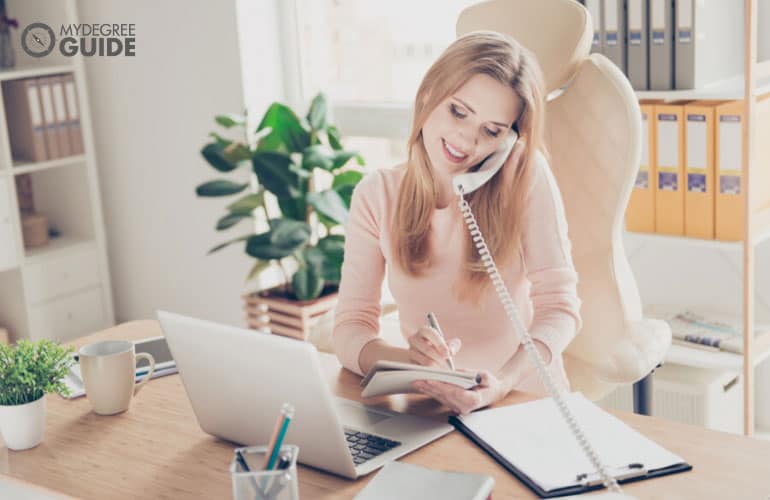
(49, 119)
(546, 456)
(640, 214)
(25, 120)
(60, 113)
(669, 195)
(699, 150)
(73, 114)
(595, 11)
(661, 48)
(730, 167)
(614, 30)
(637, 56)
(708, 42)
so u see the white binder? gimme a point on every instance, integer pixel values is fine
(638, 60)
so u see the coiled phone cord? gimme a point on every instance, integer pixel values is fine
(609, 481)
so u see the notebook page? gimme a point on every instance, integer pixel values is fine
(533, 437)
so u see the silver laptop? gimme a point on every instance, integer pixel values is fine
(238, 379)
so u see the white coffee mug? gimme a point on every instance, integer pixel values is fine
(109, 371)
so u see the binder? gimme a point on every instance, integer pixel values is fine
(708, 43)
(60, 113)
(534, 444)
(597, 19)
(669, 161)
(729, 169)
(25, 120)
(699, 169)
(614, 30)
(640, 214)
(73, 114)
(661, 48)
(638, 60)
(49, 119)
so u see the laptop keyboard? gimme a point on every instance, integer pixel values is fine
(365, 446)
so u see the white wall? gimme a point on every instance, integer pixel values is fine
(152, 114)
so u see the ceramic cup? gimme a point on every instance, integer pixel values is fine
(109, 370)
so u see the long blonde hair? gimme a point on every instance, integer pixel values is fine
(499, 204)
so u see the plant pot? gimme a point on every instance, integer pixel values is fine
(22, 426)
(290, 317)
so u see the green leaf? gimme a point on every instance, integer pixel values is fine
(259, 246)
(350, 177)
(220, 188)
(307, 283)
(287, 134)
(220, 140)
(289, 233)
(273, 172)
(335, 141)
(330, 204)
(214, 154)
(329, 253)
(317, 114)
(237, 152)
(259, 267)
(317, 156)
(246, 205)
(346, 193)
(231, 120)
(294, 208)
(223, 245)
(230, 220)
(341, 158)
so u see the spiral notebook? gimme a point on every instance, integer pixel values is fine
(534, 443)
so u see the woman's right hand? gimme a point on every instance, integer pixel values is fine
(428, 348)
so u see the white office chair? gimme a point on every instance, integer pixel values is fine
(593, 132)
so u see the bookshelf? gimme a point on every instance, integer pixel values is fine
(59, 290)
(754, 82)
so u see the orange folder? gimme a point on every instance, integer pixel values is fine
(640, 213)
(669, 158)
(699, 117)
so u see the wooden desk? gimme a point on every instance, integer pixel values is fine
(157, 450)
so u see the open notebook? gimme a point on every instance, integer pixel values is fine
(535, 444)
(391, 377)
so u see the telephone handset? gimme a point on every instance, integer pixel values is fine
(471, 181)
(464, 184)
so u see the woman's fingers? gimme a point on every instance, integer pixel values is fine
(428, 343)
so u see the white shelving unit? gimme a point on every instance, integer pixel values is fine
(754, 82)
(61, 290)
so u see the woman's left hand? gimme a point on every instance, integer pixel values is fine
(463, 401)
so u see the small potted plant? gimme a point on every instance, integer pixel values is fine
(300, 183)
(29, 371)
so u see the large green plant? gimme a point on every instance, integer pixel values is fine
(283, 155)
(29, 370)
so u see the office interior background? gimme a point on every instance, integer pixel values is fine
(151, 114)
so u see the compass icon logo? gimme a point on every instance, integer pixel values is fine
(38, 39)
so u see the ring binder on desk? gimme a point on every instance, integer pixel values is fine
(630, 471)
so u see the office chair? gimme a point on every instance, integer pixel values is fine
(593, 133)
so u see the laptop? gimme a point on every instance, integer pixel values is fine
(238, 379)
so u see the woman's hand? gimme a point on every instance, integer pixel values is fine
(463, 401)
(427, 347)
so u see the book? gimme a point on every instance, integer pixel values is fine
(391, 377)
(413, 482)
(712, 330)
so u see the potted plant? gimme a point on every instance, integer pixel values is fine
(28, 371)
(299, 185)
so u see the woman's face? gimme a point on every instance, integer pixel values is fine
(470, 124)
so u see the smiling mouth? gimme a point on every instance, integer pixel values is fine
(454, 155)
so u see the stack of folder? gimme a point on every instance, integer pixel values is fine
(669, 44)
(43, 118)
(691, 175)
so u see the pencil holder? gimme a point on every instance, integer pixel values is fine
(253, 482)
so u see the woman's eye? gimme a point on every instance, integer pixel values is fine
(455, 112)
(493, 133)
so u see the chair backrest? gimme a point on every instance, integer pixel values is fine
(593, 134)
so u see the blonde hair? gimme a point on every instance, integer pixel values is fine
(496, 206)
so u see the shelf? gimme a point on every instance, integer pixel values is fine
(729, 89)
(27, 71)
(55, 245)
(20, 168)
(700, 358)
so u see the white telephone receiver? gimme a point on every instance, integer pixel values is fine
(466, 183)
(471, 181)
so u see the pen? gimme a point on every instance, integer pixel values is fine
(434, 324)
(287, 413)
(242, 462)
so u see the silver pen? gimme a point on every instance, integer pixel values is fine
(434, 324)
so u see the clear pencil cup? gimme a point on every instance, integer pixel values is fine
(253, 482)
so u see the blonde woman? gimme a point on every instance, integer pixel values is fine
(407, 219)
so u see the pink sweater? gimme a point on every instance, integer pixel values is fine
(545, 290)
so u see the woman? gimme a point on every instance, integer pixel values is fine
(408, 218)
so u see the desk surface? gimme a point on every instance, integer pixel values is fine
(157, 450)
